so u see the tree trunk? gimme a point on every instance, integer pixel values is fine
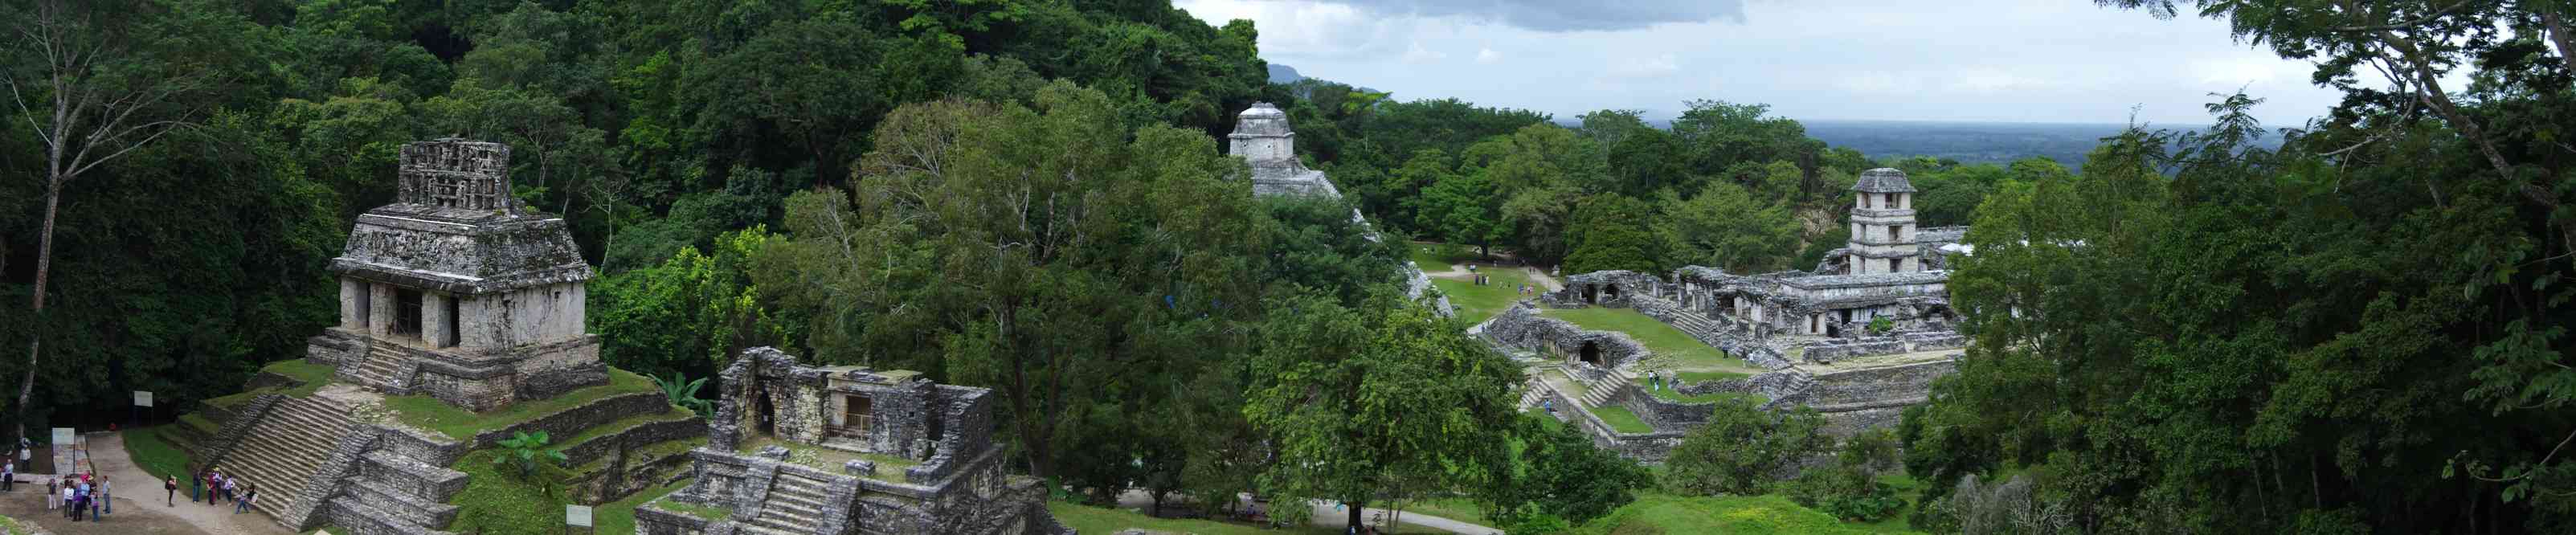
(1355, 518)
(36, 303)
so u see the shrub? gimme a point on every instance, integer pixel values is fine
(1560, 476)
(1850, 489)
(1880, 325)
(1742, 450)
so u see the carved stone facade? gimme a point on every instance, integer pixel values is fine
(457, 292)
(954, 482)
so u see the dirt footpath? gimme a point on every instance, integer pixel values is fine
(139, 504)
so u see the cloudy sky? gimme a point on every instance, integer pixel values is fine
(2062, 61)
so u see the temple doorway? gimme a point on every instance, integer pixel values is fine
(1591, 353)
(765, 415)
(1591, 293)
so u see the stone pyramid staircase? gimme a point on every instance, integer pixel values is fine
(794, 506)
(1600, 390)
(375, 366)
(284, 450)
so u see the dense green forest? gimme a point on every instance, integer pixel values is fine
(2355, 329)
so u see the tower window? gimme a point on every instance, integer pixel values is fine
(1887, 202)
(1895, 232)
(1892, 264)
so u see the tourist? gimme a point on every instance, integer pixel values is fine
(248, 497)
(232, 489)
(79, 501)
(171, 488)
(52, 499)
(9, 478)
(106, 495)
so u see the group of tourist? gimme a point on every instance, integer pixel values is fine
(80, 497)
(217, 486)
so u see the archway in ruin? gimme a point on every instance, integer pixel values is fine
(1612, 293)
(766, 414)
(1592, 293)
(1591, 353)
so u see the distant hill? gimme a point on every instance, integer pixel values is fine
(1967, 142)
(1283, 74)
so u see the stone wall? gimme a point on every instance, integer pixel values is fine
(1844, 349)
(1522, 328)
(1666, 414)
(573, 421)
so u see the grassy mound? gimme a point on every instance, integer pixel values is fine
(1673, 349)
(429, 413)
(1656, 513)
(1622, 420)
(153, 453)
(309, 376)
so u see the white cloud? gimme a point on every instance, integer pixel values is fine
(1414, 53)
(1967, 60)
(1645, 67)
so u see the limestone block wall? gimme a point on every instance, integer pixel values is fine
(1666, 414)
(1907, 382)
(1842, 349)
(968, 413)
(522, 316)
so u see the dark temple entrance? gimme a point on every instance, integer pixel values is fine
(1591, 353)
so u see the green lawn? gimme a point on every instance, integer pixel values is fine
(1475, 303)
(429, 413)
(498, 500)
(153, 453)
(13, 526)
(1622, 420)
(1655, 512)
(1673, 349)
(619, 516)
(1438, 257)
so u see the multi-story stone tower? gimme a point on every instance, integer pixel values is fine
(1882, 225)
(1262, 137)
(456, 291)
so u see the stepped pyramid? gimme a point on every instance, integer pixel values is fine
(455, 292)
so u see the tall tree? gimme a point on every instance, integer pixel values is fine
(1388, 399)
(113, 77)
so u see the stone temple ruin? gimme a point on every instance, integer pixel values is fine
(1859, 338)
(455, 293)
(848, 449)
(1264, 140)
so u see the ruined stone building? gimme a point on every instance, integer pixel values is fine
(1262, 137)
(1859, 338)
(1264, 140)
(847, 449)
(454, 292)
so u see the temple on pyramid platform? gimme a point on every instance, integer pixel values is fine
(458, 292)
